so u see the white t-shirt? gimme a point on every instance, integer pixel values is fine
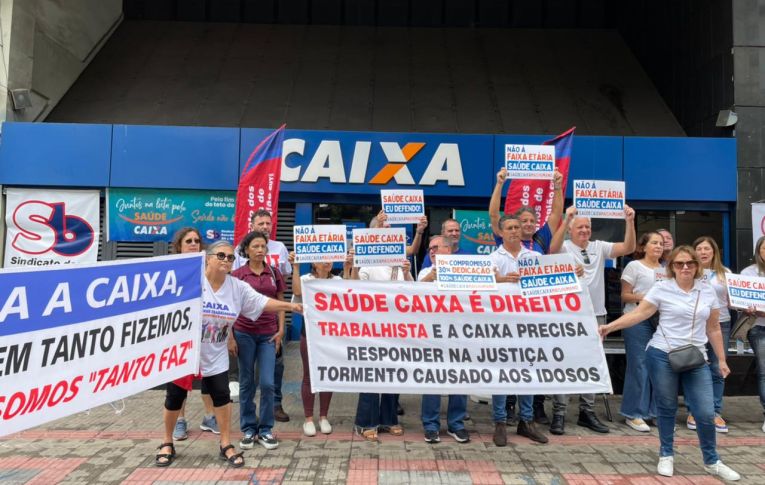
(277, 256)
(676, 311)
(597, 253)
(641, 277)
(306, 277)
(721, 291)
(506, 262)
(752, 271)
(425, 272)
(219, 312)
(380, 273)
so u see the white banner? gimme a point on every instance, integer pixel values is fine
(320, 244)
(75, 337)
(554, 274)
(758, 222)
(530, 161)
(391, 337)
(455, 272)
(602, 199)
(403, 206)
(379, 247)
(746, 291)
(46, 227)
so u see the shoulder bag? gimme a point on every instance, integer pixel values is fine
(686, 357)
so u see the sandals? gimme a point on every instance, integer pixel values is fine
(164, 459)
(369, 434)
(394, 430)
(236, 460)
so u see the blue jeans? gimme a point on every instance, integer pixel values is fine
(374, 410)
(279, 377)
(756, 338)
(637, 399)
(251, 348)
(455, 412)
(499, 410)
(697, 385)
(718, 382)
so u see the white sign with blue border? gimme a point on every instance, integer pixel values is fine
(319, 244)
(379, 247)
(464, 272)
(601, 199)
(530, 161)
(554, 274)
(403, 206)
(746, 291)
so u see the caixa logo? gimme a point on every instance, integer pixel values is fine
(327, 162)
(45, 227)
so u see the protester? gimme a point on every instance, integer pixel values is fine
(188, 240)
(682, 294)
(669, 243)
(223, 297)
(756, 334)
(535, 240)
(714, 273)
(637, 278)
(592, 255)
(319, 271)
(431, 403)
(378, 412)
(258, 341)
(505, 260)
(451, 230)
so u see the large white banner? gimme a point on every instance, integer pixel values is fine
(758, 222)
(411, 338)
(75, 337)
(47, 227)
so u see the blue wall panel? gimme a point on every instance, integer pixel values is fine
(55, 154)
(702, 169)
(175, 157)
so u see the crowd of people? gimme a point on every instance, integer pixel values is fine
(672, 297)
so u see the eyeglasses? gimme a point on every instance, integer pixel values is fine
(225, 257)
(684, 264)
(192, 241)
(585, 256)
(435, 248)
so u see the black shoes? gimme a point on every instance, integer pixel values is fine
(529, 430)
(589, 420)
(539, 413)
(558, 425)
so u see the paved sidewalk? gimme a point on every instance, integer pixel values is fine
(103, 446)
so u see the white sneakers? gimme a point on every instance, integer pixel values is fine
(666, 466)
(324, 426)
(233, 388)
(638, 425)
(722, 470)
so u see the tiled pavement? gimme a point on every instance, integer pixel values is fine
(103, 446)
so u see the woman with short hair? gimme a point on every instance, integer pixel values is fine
(756, 334)
(688, 314)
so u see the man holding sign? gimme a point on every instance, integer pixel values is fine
(505, 258)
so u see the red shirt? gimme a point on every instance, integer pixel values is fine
(268, 283)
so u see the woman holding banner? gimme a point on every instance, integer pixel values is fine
(637, 278)
(714, 274)
(319, 271)
(756, 334)
(223, 299)
(676, 354)
(188, 240)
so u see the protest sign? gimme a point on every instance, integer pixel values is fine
(403, 337)
(536, 162)
(50, 227)
(319, 244)
(548, 275)
(379, 247)
(603, 199)
(155, 215)
(746, 291)
(75, 337)
(476, 235)
(403, 206)
(464, 272)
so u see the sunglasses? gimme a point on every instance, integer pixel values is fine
(684, 264)
(225, 257)
(192, 241)
(585, 256)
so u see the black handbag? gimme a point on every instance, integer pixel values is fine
(686, 357)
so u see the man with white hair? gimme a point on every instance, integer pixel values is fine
(592, 255)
